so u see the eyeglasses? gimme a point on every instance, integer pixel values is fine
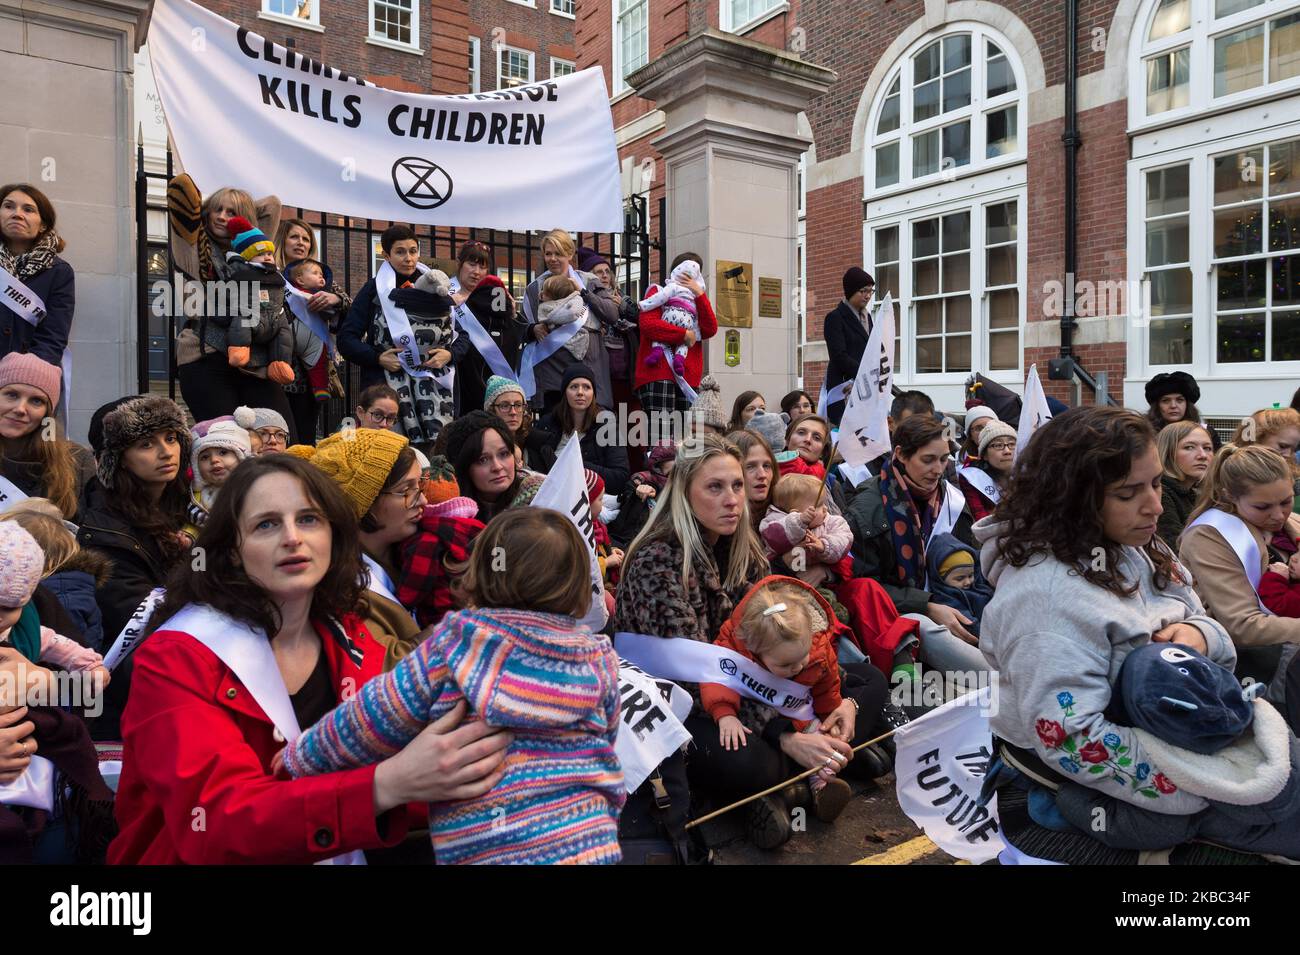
(379, 418)
(409, 495)
(1001, 446)
(273, 435)
(509, 406)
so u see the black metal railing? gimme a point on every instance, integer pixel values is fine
(347, 245)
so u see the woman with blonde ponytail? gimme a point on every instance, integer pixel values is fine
(1242, 523)
(1277, 429)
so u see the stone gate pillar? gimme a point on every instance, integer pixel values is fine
(731, 148)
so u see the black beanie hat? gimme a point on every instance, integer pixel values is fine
(1173, 383)
(855, 280)
(574, 372)
(460, 431)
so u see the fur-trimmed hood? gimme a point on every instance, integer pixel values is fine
(91, 562)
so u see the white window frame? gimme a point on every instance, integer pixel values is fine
(1242, 380)
(1200, 36)
(726, 18)
(901, 215)
(561, 13)
(476, 67)
(620, 84)
(573, 67)
(525, 3)
(976, 114)
(503, 52)
(311, 23)
(384, 40)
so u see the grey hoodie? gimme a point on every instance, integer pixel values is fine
(1057, 642)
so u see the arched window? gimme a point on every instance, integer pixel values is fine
(945, 205)
(1194, 55)
(1214, 196)
(954, 104)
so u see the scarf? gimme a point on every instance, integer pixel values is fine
(909, 526)
(25, 635)
(34, 261)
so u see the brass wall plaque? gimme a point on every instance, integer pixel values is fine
(733, 294)
(769, 297)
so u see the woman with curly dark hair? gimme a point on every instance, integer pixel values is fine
(261, 642)
(1083, 580)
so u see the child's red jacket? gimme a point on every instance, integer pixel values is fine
(822, 672)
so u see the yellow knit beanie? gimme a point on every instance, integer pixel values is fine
(958, 558)
(359, 460)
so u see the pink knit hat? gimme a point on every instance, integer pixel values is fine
(22, 562)
(21, 369)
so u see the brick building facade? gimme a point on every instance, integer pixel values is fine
(937, 161)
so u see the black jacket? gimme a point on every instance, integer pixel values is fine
(609, 461)
(846, 340)
(138, 567)
(47, 341)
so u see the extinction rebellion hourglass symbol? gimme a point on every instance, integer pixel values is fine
(421, 183)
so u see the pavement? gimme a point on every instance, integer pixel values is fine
(872, 830)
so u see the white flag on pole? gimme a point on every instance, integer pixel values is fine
(939, 769)
(650, 722)
(565, 490)
(864, 428)
(1034, 412)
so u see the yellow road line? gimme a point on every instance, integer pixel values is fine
(903, 854)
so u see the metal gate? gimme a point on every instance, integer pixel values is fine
(350, 247)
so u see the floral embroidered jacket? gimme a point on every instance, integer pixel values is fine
(1058, 641)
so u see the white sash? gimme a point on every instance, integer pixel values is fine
(297, 301)
(480, 337)
(688, 392)
(830, 396)
(377, 581)
(249, 655)
(693, 661)
(129, 639)
(34, 788)
(20, 299)
(536, 352)
(953, 503)
(982, 481)
(30, 307)
(399, 328)
(1234, 530)
(9, 494)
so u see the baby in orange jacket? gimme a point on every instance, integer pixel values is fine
(783, 625)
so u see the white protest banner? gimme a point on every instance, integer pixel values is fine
(1034, 412)
(680, 658)
(939, 768)
(10, 494)
(650, 722)
(247, 112)
(565, 490)
(129, 639)
(864, 428)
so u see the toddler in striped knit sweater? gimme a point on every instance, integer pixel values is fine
(523, 663)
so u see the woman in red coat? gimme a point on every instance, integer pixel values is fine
(655, 386)
(212, 700)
